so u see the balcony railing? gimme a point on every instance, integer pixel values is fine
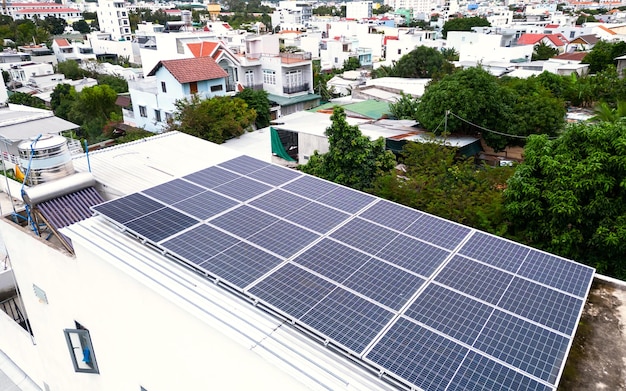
(231, 87)
(296, 88)
(255, 87)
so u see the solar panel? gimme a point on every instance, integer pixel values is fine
(275, 175)
(418, 355)
(211, 177)
(347, 319)
(173, 191)
(241, 264)
(430, 303)
(283, 238)
(451, 313)
(391, 215)
(242, 189)
(130, 207)
(244, 164)
(205, 205)
(384, 283)
(531, 348)
(364, 235)
(292, 290)
(438, 231)
(199, 244)
(480, 373)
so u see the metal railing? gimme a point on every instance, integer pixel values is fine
(255, 87)
(11, 307)
(296, 88)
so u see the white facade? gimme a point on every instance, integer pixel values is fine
(358, 9)
(486, 47)
(23, 71)
(103, 43)
(113, 19)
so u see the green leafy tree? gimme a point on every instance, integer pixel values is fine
(603, 54)
(352, 159)
(351, 64)
(569, 195)
(383, 9)
(217, 119)
(116, 82)
(385, 71)
(423, 62)
(81, 26)
(559, 86)
(604, 112)
(404, 107)
(93, 108)
(542, 51)
(62, 99)
(20, 98)
(463, 24)
(27, 32)
(55, 25)
(71, 70)
(439, 182)
(259, 102)
(450, 54)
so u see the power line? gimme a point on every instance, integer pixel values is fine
(489, 130)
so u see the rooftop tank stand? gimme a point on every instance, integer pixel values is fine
(27, 207)
(15, 216)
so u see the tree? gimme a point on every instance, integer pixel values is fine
(604, 54)
(404, 107)
(440, 182)
(569, 196)
(55, 25)
(352, 159)
(450, 54)
(542, 51)
(116, 82)
(93, 108)
(559, 86)
(351, 64)
(463, 24)
(20, 98)
(62, 99)
(81, 26)
(606, 113)
(383, 9)
(217, 119)
(259, 102)
(71, 69)
(421, 62)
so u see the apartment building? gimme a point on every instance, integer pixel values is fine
(113, 19)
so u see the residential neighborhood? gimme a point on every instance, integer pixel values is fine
(308, 195)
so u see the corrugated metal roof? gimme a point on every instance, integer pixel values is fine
(135, 166)
(18, 124)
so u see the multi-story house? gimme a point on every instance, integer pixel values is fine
(359, 10)
(335, 51)
(153, 98)
(113, 19)
(41, 10)
(64, 50)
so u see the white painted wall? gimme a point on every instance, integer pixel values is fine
(308, 144)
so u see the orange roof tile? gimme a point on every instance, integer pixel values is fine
(188, 70)
(46, 11)
(573, 56)
(202, 49)
(601, 27)
(62, 42)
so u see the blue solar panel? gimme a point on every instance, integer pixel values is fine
(128, 208)
(479, 373)
(205, 205)
(456, 315)
(495, 251)
(199, 244)
(292, 290)
(212, 177)
(280, 203)
(173, 191)
(284, 238)
(417, 355)
(391, 215)
(348, 200)
(310, 187)
(413, 255)
(543, 305)
(332, 260)
(364, 235)
(475, 279)
(384, 283)
(244, 221)
(244, 164)
(347, 319)
(242, 189)
(275, 175)
(529, 347)
(241, 264)
(557, 272)
(438, 231)
(161, 224)
(317, 217)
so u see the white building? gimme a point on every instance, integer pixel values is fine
(41, 10)
(358, 9)
(104, 44)
(76, 51)
(480, 47)
(113, 19)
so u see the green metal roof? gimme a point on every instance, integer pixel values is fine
(286, 101)
(369, 108)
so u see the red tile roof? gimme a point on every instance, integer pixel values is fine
(551, 26)
(533, 39)
(588, 39)
(46, 11)
(601, 27)
(188, 70)
(573, 56)
(62, 42)
(202, 49)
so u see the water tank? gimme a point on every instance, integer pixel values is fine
(49, 159)
(186, 17)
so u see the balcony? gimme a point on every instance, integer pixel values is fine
(296, 88)
(231, 87)
(291, 58)
(255, 87)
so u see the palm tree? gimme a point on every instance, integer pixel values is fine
(605, 113)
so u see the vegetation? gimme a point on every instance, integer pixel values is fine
(328, 10)
(92, 108)
(421, 62)
(352, 159)
(20, 98)
(216, 119)
(542, 51)
(72, 70)
(259, 102)
(463, 24)
(351, 64)
(603, 54)
(405, 107)
(568, 196)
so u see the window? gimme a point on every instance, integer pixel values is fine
(572, 34)
(293, 78)
(399, 51)
(142, 111)
(269, 77)
(193, 87)
(163, 87)
(157, 115)
(249, 78)
(81, 350)
(168, 116)
(216, 88)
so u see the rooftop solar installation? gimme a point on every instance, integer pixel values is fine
(423, 302)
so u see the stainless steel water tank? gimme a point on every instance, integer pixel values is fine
(49, 159)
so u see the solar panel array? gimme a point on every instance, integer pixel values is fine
(429, 303)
